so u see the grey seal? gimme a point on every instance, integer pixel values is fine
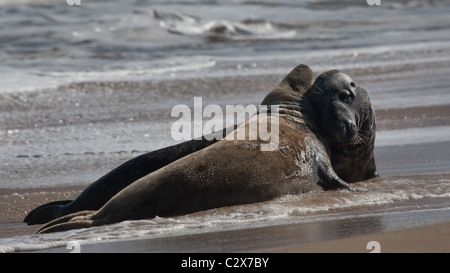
(228, 172)
(335, 110)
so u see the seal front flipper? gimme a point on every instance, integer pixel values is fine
(328, 179)
(46, 212)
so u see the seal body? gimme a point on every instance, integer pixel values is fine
(229, 172)
(289, 91)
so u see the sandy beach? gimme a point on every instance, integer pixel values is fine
(425, 229)
(424, 239)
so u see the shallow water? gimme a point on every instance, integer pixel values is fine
(377, 205)
(86, 88)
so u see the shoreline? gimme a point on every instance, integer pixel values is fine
(412, 225)
(420, 230)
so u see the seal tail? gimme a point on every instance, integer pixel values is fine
(81, 219)
(45, 213)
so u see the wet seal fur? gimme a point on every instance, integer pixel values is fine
(98, 193)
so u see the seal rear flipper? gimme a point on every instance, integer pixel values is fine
(45, 213)
(328, 179)
(67, 226)
(75, 220)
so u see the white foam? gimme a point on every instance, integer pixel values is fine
(22, 81)
(228, 29)
(147, 69)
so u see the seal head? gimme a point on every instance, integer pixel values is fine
(346, 120)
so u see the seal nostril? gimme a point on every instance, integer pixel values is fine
(350, 129)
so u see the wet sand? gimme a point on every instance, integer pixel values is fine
(424, 239)
(16, 203)
(423, 229)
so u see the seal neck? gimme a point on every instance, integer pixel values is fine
(354, 162)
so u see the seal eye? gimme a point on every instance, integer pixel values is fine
(345, 95)
(352, 84)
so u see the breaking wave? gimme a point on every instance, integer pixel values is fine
(184, 24)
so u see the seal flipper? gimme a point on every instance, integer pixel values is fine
(75, 220)
(46, 212)
(328, 179)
